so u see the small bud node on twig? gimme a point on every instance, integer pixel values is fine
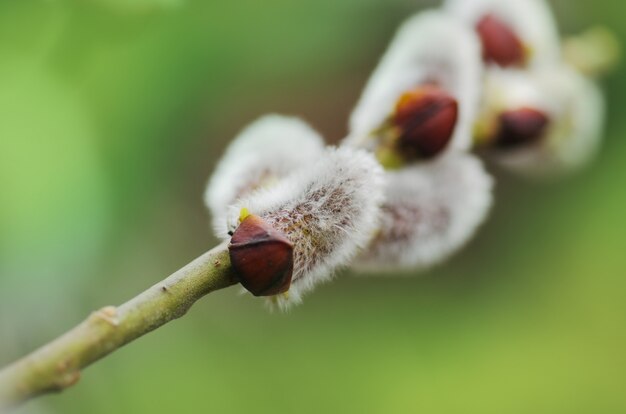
(109, 315)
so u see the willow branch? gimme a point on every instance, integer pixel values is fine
(57, 365)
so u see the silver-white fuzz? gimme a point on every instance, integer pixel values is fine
(531, 20)
(576, 109)
(263, 153)
(328, 211)
(431, 47)
(431, 211)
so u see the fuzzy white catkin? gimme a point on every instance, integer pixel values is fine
(262, 154)
(531, 20)
(429, 47)
(328, 211)
(506, 89)
(431, 211)
(576, 109)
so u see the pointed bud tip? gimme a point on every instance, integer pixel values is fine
(262, 257)
(426, 117)
(521, 127)
(500, 43)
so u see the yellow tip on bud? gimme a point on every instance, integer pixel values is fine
(595, 52)
(243, 214)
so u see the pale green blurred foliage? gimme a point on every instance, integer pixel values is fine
(112, 114)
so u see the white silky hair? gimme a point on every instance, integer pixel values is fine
(328, 211)
(576, 109)
(430, 46)
(263, 153)
(431, 211)
(532, 21)
(506, 89)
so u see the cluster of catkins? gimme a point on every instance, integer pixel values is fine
(403, 191)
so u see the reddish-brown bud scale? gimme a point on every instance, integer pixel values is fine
(500, 43)
(520, 127)
(261, 257)
(426, 117)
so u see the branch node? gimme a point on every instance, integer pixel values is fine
(63, 366)
(68, 379)
(109, 315)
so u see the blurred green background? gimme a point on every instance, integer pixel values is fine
(112, 115)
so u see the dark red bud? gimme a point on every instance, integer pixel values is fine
(500, 43)
(261, 257)
(520, 127)
(426, 117)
